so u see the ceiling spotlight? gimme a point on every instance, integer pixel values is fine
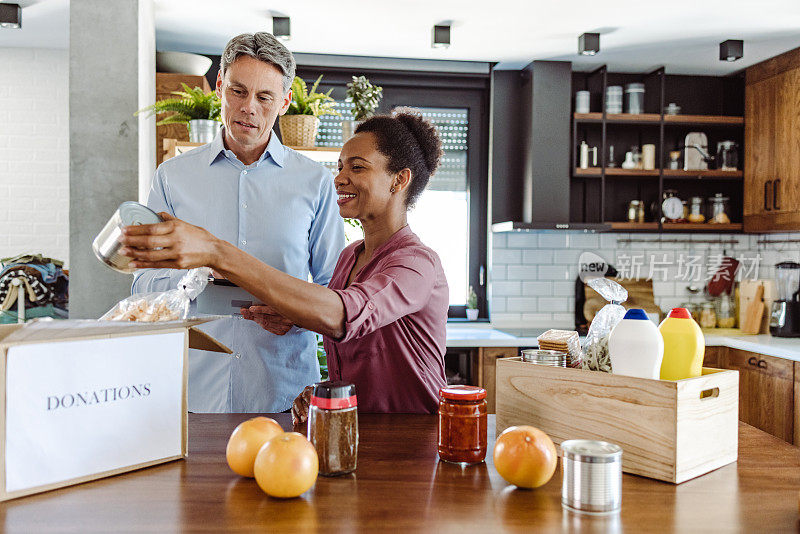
(281, 28)
(589, 44)
(731, 50)
(440, 38)
(10, 16)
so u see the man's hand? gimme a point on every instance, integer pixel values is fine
(300, 406)
(172, 244)
(268, 318)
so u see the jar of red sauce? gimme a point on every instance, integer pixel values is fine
(462, 424)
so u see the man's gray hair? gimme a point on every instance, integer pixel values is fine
(264, 47)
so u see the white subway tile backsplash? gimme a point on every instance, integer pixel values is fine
(507, 256)
(521, 304)
(499, 240)
(537, 256)
(547, 269)
(522, 272)
(523, 240)
(534, 289)
(506, 288)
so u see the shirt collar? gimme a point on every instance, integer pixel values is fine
(274, 149)
(390, 243)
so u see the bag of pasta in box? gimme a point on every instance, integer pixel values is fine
(595, 348)
(170, 305)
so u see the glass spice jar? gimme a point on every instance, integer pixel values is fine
(708, 315)
(333, 427)
(462, 424)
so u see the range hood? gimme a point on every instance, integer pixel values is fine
(530, 150)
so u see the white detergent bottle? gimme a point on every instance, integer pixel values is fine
(636, 347)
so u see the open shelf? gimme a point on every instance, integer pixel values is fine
(704, 119)
(710, 173)
(702, 227)
(614, 171)
(619, 118)
(655, 118)
(634, 227)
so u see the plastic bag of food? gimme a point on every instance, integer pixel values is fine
(595, 348)
(170, 305)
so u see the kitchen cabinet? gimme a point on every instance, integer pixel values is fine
(772, 145)
(766, 391)
(715, 357)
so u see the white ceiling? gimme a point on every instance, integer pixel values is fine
(636, 35)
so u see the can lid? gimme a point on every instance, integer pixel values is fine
(132, 213)
(334, 395)
(636, 314)
(679, 313)
(592, 451)
(462, 393)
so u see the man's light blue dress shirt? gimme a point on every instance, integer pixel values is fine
(281, 209)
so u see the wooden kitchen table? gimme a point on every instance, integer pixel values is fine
(401, 486)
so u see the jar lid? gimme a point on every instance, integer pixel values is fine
(334, 395)
(133, 214)
(680, 313)
(585, 450)
(462, 393)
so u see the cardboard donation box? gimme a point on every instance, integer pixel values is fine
(88, 399)
(668, 430)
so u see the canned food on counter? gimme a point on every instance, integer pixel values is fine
(592, 476)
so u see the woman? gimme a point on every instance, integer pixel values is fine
(383, 314)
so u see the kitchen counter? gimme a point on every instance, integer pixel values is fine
(401, 486)
(486, 335)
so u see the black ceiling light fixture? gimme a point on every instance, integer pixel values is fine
(440, 37)
(731, 50)
(281, 28)
(589, 44)
(10, 16)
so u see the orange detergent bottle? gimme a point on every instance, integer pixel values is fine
(684, 346)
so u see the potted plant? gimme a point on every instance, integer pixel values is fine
(199, 111)
(472, 305)
(300, 123)
(365, 98)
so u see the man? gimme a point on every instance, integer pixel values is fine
(247, 188)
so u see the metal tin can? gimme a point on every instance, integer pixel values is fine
(107, 243)
(553, 358)
(592, 476)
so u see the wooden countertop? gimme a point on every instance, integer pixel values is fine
(400, 485)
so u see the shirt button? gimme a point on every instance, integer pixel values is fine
(244, 241)
(371, 306)
(244, 172)
(244, 205)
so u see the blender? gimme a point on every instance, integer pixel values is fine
(785, 317)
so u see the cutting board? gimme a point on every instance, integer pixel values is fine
(640, 295)
(751, 320)
(747, 291)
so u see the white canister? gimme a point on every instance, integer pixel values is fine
(636, 347)
(582, 102)
(649, 157)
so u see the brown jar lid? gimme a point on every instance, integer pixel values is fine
(463, 393)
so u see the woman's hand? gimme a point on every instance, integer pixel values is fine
(300, 406)
(172, 244)
(268, 318)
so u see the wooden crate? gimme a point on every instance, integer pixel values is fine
(668, 430)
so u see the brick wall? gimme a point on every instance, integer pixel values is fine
(533, 273)
(34, 152)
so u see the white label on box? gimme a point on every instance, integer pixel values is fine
(77, 408)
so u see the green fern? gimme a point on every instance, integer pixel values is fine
(305, 102)
(191, 104)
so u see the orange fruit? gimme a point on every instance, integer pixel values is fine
(286, 466)
(245, 442)
(525, 456)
